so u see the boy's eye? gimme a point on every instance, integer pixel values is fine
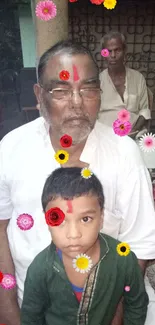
(86, 219)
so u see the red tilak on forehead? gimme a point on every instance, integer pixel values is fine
(75, 73)
(70, 207)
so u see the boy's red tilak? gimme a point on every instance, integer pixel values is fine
(75, 73)
(70, 207)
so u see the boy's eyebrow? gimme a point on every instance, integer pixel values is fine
(89, 211)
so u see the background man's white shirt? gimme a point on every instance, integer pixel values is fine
(135, 97)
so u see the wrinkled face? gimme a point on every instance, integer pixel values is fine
(76, 115)
(79, 231)
(116, 53)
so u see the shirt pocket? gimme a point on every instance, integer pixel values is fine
(133, 103)
(111, 224)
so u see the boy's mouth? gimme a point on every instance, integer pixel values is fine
(74, 248)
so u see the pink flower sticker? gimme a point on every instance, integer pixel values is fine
(105, 53)
(127, 288)
(8, 282)
(46, 10)
(147, 142)
(25, 221)
(121, 128)
(123, 115)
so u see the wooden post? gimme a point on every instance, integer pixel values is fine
(48, 33)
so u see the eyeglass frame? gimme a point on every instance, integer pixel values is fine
(71, 92)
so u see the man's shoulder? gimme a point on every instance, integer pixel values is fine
(123, 147)
(134, 73)
(103, 73)
(23, 134)
(106, 133)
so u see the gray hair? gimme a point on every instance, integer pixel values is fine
(113, 34)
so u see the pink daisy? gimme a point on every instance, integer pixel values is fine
(105, 53)
(8, 282)
(123, 115)
(127, 288)
(25, 221)
(46, 10)
(121, 128)
(147, 142)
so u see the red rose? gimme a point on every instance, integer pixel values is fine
(54, 217)
(97, 2)
(1, 276)
(64, 75)
(66, 141)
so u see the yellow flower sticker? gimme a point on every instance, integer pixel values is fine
(123, 249)
(82, 263)
(61, 156)
(109, 4)
(86, 172)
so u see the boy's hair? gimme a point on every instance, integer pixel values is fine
(69, 184)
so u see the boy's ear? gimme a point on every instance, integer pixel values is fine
(101, 221)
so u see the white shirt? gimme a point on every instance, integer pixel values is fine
(27, 158)
(135, 97)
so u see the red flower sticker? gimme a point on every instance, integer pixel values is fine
(54, 217)
(66, 141)
(64, 75)
(1, 276)
(97, 2)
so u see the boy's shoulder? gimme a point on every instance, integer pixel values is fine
(114, 247)
(42, 260)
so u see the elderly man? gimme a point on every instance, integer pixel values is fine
(122, 87)
(68, 93)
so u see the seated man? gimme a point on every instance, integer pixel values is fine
(122, 87)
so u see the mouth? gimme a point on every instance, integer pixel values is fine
(74, 248)
(76, 118)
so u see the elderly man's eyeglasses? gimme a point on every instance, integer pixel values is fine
(66, 94)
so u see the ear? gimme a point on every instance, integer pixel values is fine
(101, 221)
(37, 91)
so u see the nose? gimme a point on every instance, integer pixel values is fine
(73, 231)
(76, 99)
(113, 54)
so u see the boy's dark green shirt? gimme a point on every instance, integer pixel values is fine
(50, 300)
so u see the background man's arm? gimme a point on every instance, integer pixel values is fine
(144, 108)
(9, 309)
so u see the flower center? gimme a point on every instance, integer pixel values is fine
(62, 156)
(82, 263)
(122, 126)
(54, 216)
(46, 11)
(123, 249)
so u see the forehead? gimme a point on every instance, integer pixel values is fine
(114, 43)
(85, 66)
(79, 204)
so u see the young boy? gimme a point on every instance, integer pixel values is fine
(81, 277)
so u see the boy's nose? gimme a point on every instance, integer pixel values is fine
(73, 231)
